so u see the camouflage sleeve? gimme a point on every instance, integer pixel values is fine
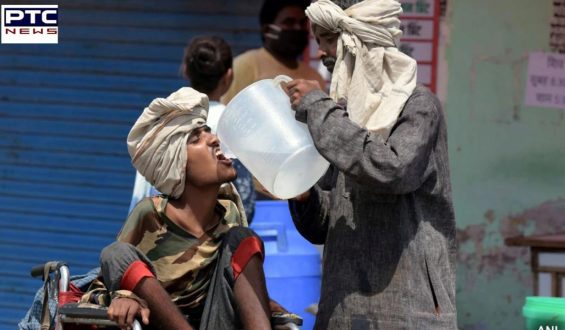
(132, 230)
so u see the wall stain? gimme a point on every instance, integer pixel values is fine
(491, 260)
(489, 215)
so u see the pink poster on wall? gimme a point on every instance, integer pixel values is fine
(545, 83)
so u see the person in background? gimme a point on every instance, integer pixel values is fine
(384, 209)
(207, 64)
(285, 36)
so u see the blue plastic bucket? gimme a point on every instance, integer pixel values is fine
(292, 264)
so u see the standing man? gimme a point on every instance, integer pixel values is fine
(384, 209)
(285, 35)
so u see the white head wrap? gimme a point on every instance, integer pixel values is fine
(370, 72)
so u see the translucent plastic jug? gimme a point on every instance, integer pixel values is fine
(258, 126)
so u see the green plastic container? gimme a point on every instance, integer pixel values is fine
(544, 313)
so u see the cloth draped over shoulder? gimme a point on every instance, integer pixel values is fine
(374, 77)
(157, 142)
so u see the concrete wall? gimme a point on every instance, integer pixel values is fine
(507, 160)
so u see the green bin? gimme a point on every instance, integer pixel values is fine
(544, 313)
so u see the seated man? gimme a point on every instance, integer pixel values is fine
(185, 259)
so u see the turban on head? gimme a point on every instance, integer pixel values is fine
(157, 140)
(370, 72)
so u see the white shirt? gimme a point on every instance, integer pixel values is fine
(214, 113)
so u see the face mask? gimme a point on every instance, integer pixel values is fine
(286, 43)
(329, 63)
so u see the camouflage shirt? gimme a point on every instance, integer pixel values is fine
(183, 263)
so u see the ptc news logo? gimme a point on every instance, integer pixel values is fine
(30, 24)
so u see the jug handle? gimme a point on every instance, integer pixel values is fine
(278, 80)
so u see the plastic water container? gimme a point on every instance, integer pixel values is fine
(547, 313)
(292, 264)
(259, 128)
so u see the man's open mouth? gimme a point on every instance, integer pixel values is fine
(221, 157)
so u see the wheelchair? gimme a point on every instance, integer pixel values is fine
(71, 315)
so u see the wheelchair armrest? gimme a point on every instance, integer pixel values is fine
(74, 310)
(73, 313)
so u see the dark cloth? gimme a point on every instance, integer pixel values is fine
(115, 259)
(244, 185)
(219, 310)
(385, 215)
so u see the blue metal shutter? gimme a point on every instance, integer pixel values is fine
(65, 112)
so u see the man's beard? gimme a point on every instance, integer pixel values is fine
(329, 63)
